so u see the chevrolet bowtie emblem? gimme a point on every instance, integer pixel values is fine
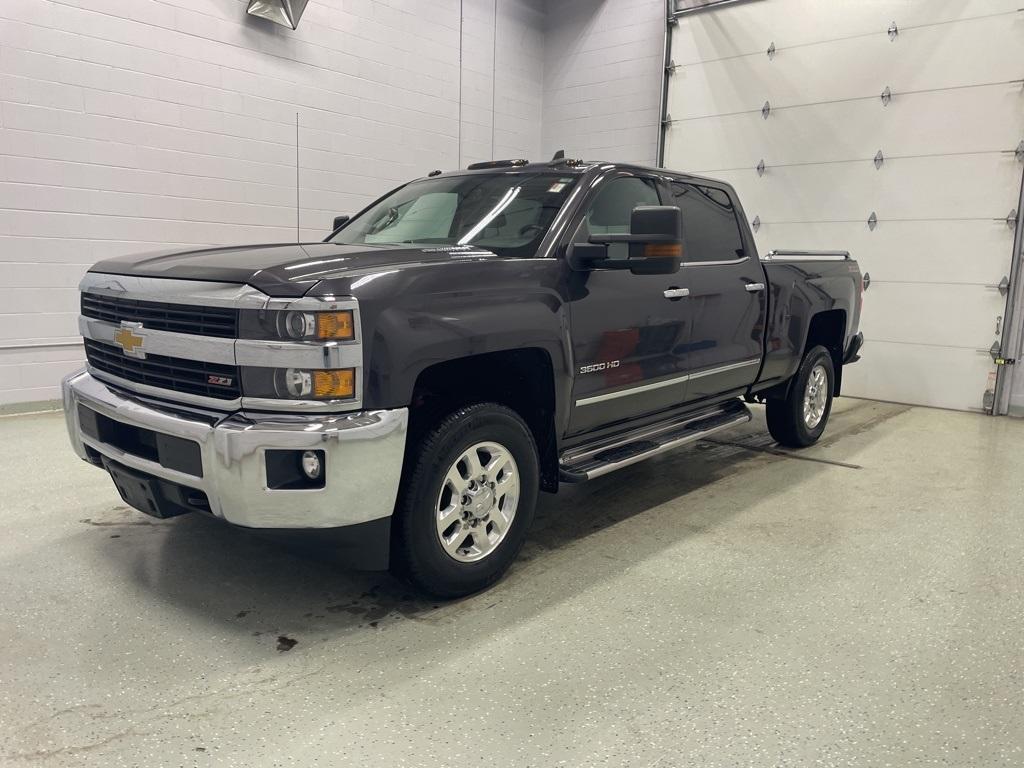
(128, 340)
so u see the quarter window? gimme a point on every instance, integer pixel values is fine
(710, 227)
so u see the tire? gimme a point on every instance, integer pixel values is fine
(440, 474)
(786, 416)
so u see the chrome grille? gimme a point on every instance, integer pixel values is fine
(160, 316)
(192, 377)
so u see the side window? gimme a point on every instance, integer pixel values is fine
(709, 223)
(609, 212)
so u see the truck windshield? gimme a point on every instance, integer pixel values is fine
(507, 213)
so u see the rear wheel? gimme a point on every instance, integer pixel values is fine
(467, 501)
(799, 419)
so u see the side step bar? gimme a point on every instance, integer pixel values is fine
(608, 454)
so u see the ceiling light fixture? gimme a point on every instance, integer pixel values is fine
(284, 12)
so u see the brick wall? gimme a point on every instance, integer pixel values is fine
(128, 125)
(602, 78)
(132, 125)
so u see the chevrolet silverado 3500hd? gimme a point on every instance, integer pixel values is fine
(409, 385)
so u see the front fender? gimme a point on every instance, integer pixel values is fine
(415, 318)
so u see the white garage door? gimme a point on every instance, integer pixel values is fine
(947, 180)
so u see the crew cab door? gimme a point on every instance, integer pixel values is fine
(629, 332)
(728, 292)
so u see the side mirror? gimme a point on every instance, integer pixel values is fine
(582, 257)
(655, 242)
(340, 221)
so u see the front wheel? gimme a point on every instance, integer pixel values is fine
(467, 501)
(799, 419)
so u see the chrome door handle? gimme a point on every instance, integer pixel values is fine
(754, 287)
(677, 293)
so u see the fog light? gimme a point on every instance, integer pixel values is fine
(311, 464)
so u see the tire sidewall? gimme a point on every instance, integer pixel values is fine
(428, 562)
(817, 356)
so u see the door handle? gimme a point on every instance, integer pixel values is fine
(676, 293)
(754, 287)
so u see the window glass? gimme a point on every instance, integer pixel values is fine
(610, 211)
(425, 218)
(507, 213)
(709, 223)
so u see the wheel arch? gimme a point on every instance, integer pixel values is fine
(828, 329)
(521, 379)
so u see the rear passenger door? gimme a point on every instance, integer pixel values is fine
(728, 294)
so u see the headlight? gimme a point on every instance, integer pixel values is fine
(297, 325)
(299, 383)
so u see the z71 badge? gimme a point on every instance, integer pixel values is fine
(595, 367)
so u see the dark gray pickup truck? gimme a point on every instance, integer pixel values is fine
(406, 387)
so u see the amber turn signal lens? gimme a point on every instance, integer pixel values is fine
(334, 384)
(663, 251)
(335, 325)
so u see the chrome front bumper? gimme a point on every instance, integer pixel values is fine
(363, 453)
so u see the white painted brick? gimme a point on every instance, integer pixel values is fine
(26, 90)
(602, 78)
(43, 325)
(128, 126)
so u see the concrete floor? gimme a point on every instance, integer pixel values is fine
(860, 605)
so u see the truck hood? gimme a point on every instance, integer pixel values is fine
(287, 270)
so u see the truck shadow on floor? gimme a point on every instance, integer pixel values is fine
(279, 594)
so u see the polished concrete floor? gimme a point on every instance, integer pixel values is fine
(861, 604)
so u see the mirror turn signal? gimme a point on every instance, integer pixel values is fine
(663, 251)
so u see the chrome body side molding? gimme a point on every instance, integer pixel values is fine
(666, 382)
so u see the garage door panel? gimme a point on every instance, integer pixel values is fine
(956, 187)
(911, 373)
(937, 314)
(734, 31)
(912, 124)
(975, 252)
(926, 58)
(941, 196)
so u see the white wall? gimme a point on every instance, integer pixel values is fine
(502, 85)
(602, 88)
(128, 125)
(948, 177)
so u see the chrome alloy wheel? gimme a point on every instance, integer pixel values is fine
(815, 396)
(477, 502)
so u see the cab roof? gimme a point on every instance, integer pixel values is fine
(567, 167)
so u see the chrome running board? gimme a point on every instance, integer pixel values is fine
(592, 460)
